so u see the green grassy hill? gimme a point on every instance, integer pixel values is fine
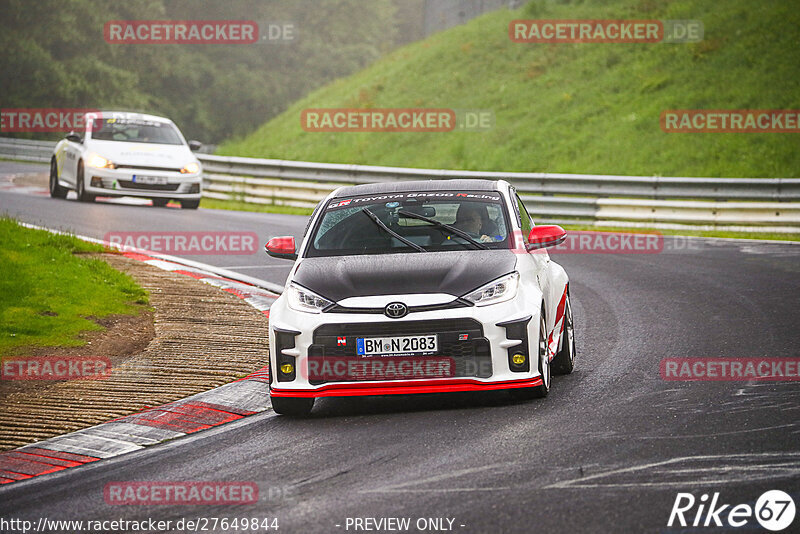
(575, 108)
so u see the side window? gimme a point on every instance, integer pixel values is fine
(525, 220)
(311, 218)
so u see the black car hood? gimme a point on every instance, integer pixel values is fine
(453, 272)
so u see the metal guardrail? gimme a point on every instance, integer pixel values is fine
(743, 204)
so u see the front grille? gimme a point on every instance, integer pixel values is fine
(148, 168)
(458, 303)
(130, 184)
(461, 345)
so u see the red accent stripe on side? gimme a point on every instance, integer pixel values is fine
(561, 306)
(405, 388)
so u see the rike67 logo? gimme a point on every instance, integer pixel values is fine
(774, 511)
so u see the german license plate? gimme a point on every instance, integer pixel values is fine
(397, 346)
(149, 180)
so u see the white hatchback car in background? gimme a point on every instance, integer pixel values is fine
(127, 154)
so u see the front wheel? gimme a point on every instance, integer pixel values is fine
(160, 202)
(543, 358)
(56, 191)
(294, 406)
(189, 204)
(83, 196)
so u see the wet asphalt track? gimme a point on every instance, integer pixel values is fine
(607, 451)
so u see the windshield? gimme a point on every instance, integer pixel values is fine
(135, 131)
(410, 222)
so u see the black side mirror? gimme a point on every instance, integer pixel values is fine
(75, 138)
(194, 146)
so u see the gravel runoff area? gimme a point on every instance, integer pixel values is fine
(202, 338)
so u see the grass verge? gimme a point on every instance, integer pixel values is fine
(572, 108)
(50, 291)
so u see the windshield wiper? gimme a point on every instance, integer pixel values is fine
(451, 229)
(374, 218)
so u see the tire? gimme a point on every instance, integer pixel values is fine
(83, 196)
(564, 362)
(189, 204)
(160, 202)
(296, 407)
(540, 391)
(56, 191)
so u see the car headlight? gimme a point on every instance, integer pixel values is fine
(191, 168)
(301, 299)
(496, 291)
(99, 162)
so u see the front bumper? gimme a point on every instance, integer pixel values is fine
(298, 338)
(120, 182)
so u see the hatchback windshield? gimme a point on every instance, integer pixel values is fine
(411, 221)
(135, 131)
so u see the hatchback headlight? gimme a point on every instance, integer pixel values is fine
(304, 300)
(190, 168)
(496, 291)
(99, 162)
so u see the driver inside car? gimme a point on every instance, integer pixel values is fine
(470, 219)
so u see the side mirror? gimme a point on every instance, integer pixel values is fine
(75, 138)
(548, 235)
(194, 146)
(281, 247)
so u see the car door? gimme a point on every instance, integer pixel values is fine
(68, 162)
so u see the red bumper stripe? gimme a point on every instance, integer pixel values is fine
(405, 388)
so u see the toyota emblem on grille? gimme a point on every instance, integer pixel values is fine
(396, 310)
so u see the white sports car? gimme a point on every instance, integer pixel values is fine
(127, 154)
(419, 287)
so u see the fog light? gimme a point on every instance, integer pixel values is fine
(287, 368)
(518, 359)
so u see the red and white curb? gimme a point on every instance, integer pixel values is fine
(259, 298)
(238, 399)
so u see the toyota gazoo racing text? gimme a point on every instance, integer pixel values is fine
(419, 287)
(127, 154)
